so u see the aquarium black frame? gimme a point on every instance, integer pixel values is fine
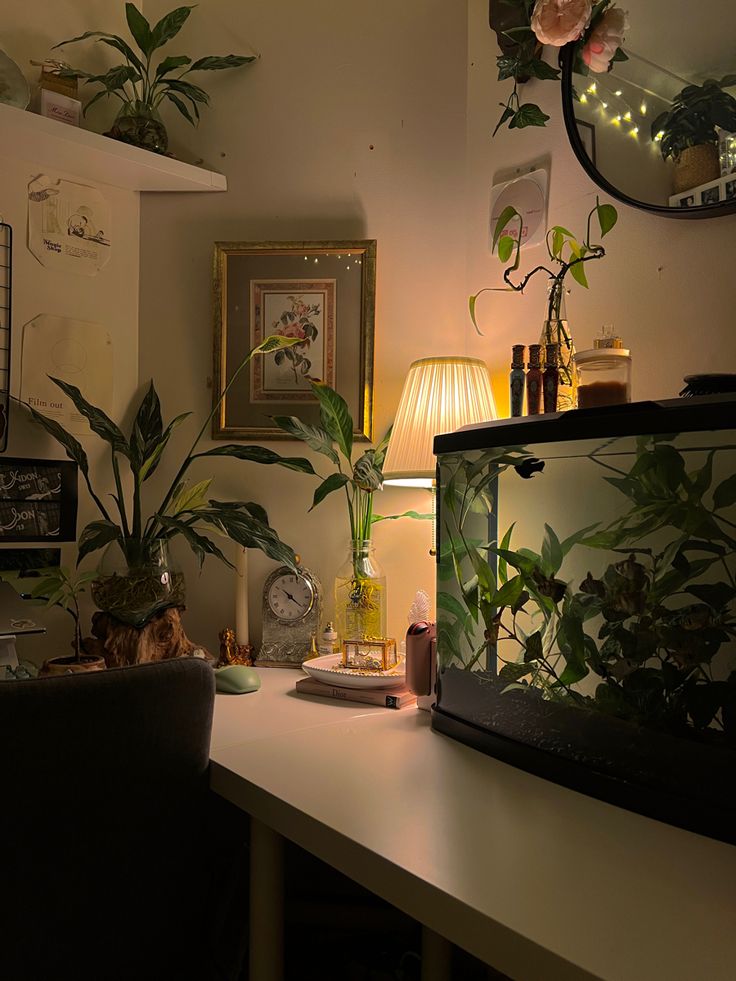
(674, 416)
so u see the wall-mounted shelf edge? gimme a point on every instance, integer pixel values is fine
(89, 156)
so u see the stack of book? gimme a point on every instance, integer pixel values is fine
(390, 698)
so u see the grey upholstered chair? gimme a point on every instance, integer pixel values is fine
(103, 871)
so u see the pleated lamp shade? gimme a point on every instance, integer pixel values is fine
(440, 395)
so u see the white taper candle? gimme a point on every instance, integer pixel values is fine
(241, 596)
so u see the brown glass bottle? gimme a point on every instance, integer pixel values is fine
(551, 378)
(534, 381)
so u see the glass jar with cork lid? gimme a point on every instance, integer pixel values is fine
(604, 372)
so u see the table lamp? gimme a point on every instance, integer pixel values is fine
(440, 395)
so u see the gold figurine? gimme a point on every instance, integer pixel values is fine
(233, 653)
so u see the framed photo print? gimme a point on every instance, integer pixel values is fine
(320, 292)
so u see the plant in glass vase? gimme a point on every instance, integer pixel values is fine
(569, 254)
(360, 584)
(142, 86)
(146, 583)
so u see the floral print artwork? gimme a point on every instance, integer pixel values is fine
(305, 310)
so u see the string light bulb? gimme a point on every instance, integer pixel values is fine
(643, 108)
(592, 88)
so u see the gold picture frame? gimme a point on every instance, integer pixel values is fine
(324, 292)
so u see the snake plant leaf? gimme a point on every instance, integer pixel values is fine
(217, 63)
(169, 26)
(139, 28)
(332, 483)
(95, 536)
(335, 416)
(259, 454)
(99, 422)
(72, 446)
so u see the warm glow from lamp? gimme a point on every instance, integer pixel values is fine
(440, 395)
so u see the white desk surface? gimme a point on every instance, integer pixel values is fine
(537, 880)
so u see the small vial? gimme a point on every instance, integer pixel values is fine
(534, 381)
(517, 379)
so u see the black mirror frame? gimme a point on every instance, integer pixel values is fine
(567, 61)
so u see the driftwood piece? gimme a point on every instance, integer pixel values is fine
(162, 638)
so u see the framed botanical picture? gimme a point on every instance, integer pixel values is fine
(320, 292)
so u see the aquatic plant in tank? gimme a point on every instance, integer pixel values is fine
(629, 619)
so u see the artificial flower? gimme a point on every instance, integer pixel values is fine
(558, 22)
(605, 39)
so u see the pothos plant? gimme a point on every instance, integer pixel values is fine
(567, 252)
(187, 509)
(142, 83)
(661, 618)
(524, 26)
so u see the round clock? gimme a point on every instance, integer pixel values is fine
(292, 610)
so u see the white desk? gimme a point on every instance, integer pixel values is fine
(537, 880)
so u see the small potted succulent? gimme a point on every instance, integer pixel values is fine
(688, 131)
(61, 588)
(143, 82)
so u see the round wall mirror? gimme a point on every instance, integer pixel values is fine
(659, 131)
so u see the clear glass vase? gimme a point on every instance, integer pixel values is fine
(360, 595)
(135, 589)
(140, 125)
(556, 330)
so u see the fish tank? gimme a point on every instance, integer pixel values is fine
(586, 602)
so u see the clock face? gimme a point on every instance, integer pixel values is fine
(290, 597)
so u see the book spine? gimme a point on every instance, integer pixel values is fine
(387, 699)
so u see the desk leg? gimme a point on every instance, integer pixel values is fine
(436, 956)
(266, 951)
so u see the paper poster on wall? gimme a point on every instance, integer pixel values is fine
(68, 225)
(75, 351)
(528, 195)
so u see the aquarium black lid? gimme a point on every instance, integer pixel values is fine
(699, 414)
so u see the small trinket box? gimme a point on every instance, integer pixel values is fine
(378, 654)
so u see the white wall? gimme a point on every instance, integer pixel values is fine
(293, 134)
(110, 298)
(667, 285)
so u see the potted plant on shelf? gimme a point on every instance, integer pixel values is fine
(60, 588)
(568, 254)
(687, 131)
(360, 584)
(146, 583)
(142, 85)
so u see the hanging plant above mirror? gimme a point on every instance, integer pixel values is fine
(524, 26)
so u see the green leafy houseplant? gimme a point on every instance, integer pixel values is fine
(656, 656)
(359, 479)
(142, 85)
(694, 116)
(186, 510)
(59, 587)
(568, 253)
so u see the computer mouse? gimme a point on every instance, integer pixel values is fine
(236, 679)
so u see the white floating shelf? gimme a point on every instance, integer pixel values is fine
(100, 159)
